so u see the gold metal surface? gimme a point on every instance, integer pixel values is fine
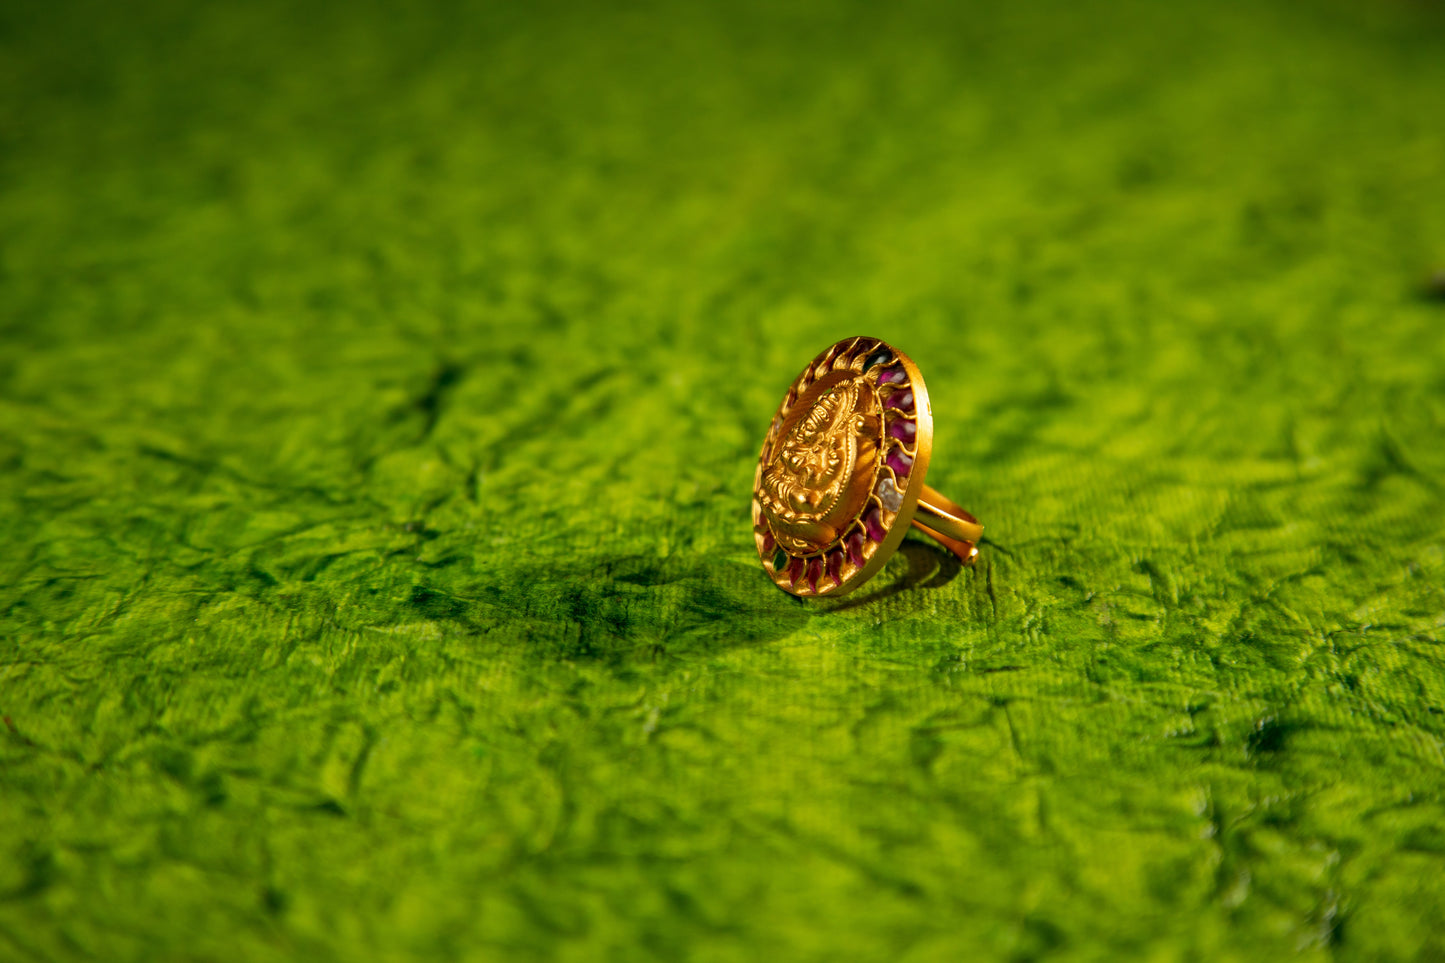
(948, 524)
(841, 474)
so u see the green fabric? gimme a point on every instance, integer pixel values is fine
(380, 388)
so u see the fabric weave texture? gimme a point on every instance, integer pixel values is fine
(380, 393)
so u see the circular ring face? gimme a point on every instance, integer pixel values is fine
(842, 467)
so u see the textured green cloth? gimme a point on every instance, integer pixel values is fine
(380, 388)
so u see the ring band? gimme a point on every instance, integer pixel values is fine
(946, 522)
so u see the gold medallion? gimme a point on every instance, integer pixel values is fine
(840, 477)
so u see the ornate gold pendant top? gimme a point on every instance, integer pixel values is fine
(841, 470)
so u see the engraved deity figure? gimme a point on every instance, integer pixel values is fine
(821, 470)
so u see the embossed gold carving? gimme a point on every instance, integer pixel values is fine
(822, 466)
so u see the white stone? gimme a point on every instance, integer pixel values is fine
(889, 493)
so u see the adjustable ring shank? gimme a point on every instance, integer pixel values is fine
(948, 523)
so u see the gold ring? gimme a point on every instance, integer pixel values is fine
(840, 477)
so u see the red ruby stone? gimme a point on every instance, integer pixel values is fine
(854, 545)
(835, 567)
(902, 400)
(873, 521)
(893, 376)
(904, 430)
(815, 569)
(767, 549)
(795, 572)
(900, 462)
